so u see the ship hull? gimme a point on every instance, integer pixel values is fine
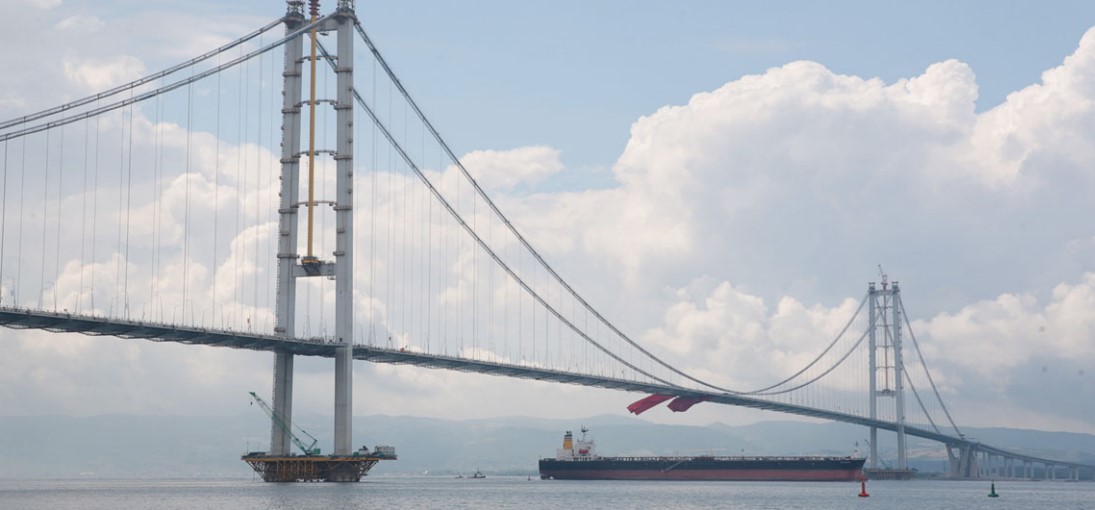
(714, 469)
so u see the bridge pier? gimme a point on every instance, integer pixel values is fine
(963, 462)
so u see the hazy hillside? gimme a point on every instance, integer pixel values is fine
(174, 446)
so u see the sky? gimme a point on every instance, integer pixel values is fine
(706, 173)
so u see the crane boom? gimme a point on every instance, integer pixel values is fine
(308, 450)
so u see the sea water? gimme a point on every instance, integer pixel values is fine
(496, 493)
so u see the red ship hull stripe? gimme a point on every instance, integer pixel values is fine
(706, 474)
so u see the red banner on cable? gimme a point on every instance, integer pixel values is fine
(682, 404)
(642, 405)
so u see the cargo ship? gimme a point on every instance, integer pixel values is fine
(578, 460)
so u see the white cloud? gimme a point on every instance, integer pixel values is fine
(733, 336)
(95, 74)
(80, 23)
(504, 170)
(993, 337)
(46, 4)
(761, 205)
(1046, 120)
(791, 176)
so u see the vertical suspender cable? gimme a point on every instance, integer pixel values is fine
(83, 218)
(429, 269)
(373, 314)
(405, 179)
(474, 278)
(157, 214)
(22, 208)
(393, 217)
(94, 209)
(45, 214)
(57, 247)
(257, 185)
(3, 220)
(272, 197)
(128, 210)
(216, 202)
(186, 199)
(238, 252)
(116, 303)
(244, 162)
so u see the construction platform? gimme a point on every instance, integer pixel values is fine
(312, 468)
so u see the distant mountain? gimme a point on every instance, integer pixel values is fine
(122, 446)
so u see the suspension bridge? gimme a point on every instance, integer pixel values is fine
(170, 209)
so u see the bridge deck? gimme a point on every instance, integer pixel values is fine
(101, 326)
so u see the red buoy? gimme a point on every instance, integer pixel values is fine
(863, 489)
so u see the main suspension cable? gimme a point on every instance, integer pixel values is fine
(513, 230)
(162, 90)
(140, 81)
(823, 374)
(482, 244)
(931, 381)
(509, 226)
(916, 394)
(819, 356)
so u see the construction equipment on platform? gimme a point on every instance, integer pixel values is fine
(311, 466)
(307, 450)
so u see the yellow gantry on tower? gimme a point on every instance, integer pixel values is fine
(310, 257)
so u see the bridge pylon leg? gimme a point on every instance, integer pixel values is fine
(287, 233)
(344, 228)
(872, 380)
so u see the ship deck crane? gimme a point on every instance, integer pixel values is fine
(308, 450)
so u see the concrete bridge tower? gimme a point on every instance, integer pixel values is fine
(886, 380)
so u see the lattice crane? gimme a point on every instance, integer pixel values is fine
(308, 450)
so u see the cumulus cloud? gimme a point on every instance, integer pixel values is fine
(740, 224)
(789, 178)
(1015, 328)
(1038, 134)
(736, 340)
(759, 181)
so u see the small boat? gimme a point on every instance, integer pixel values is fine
(478, 474)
